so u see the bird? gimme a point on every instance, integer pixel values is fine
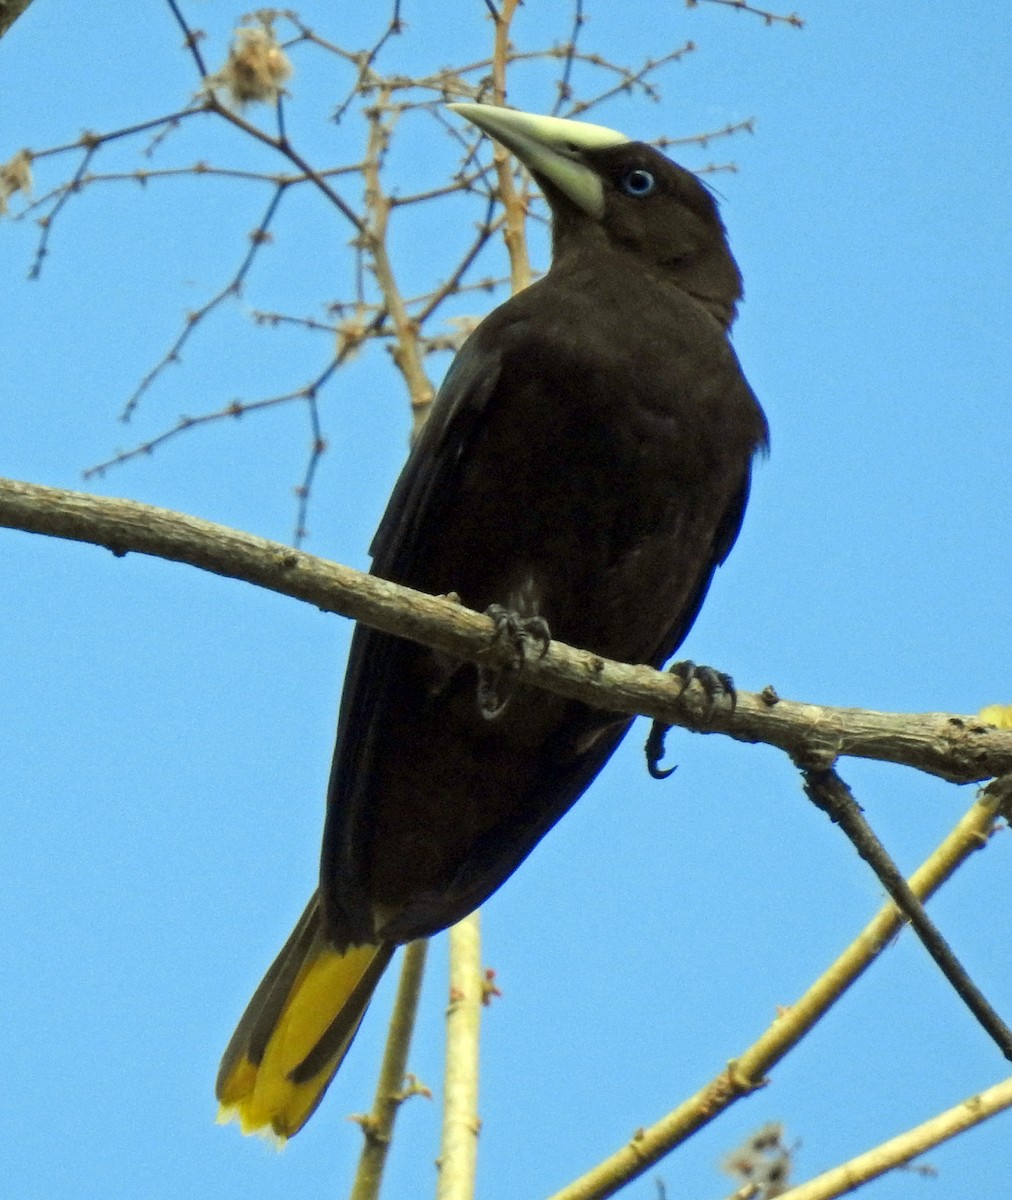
(584, 471)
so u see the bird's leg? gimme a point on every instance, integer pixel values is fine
(711, 688)
(495, 684)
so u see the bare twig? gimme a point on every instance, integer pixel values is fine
(565, 86)
(899, 1151)
(632, 79)
(191, 38)
(703, 140)
(770, 18)
(365, 59)
(231, 411)
(46, 223)
(458, 1151)
(257, 239)
(391, 1092)
(145, 175)
(452, 286)
(827, 790)
(213, 104)
(406, 354)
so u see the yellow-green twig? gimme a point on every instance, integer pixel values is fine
(747, 1072)
(459, 1147)
(901, 1149)
(390, 1092)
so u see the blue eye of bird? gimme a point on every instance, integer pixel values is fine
(638, 182)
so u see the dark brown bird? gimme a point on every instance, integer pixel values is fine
(586, 465)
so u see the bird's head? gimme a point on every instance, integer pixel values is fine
(607, 191)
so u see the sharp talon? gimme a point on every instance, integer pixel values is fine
(715, 685)
(490, 703)
(654, 749)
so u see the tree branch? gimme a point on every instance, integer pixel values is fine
(960, 749)
(898, 1151)
(458, 1151)
(392, 1087)
(828, 791)
(747, 1072)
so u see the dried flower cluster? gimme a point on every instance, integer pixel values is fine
(257, 68)
(763, 1160)
(15, 176)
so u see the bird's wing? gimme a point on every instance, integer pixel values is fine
(415, 508)
(441, 447)
(724, 539)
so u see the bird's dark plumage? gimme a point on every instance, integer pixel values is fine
(587, 462)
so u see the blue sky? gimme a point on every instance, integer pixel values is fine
(166, 735)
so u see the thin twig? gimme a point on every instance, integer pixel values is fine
(257, 239)
(214, 105)
(451, 287)
(827, 790)
(900, 1150)
(770, 18)
(145, 175)
(564, 85)
(191, 38)
(231, 411)
(391, 1092)
(365, 60)
(47, 222)
(89, 140)
(406, 353)
(632, 79)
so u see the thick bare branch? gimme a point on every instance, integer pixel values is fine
(960, 749)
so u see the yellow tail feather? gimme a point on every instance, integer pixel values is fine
(296, 1030)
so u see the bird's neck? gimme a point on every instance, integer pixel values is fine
(595, 255)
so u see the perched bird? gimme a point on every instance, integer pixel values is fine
(585, 469)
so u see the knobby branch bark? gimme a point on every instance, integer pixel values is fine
(960, 749)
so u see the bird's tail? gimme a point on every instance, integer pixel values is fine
(296, 1030)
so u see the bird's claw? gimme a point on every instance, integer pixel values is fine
(519, 632)
(701, 703)
(715, 685)
(495, 684)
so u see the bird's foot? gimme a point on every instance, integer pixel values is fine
(703, 689)
(520, 635)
